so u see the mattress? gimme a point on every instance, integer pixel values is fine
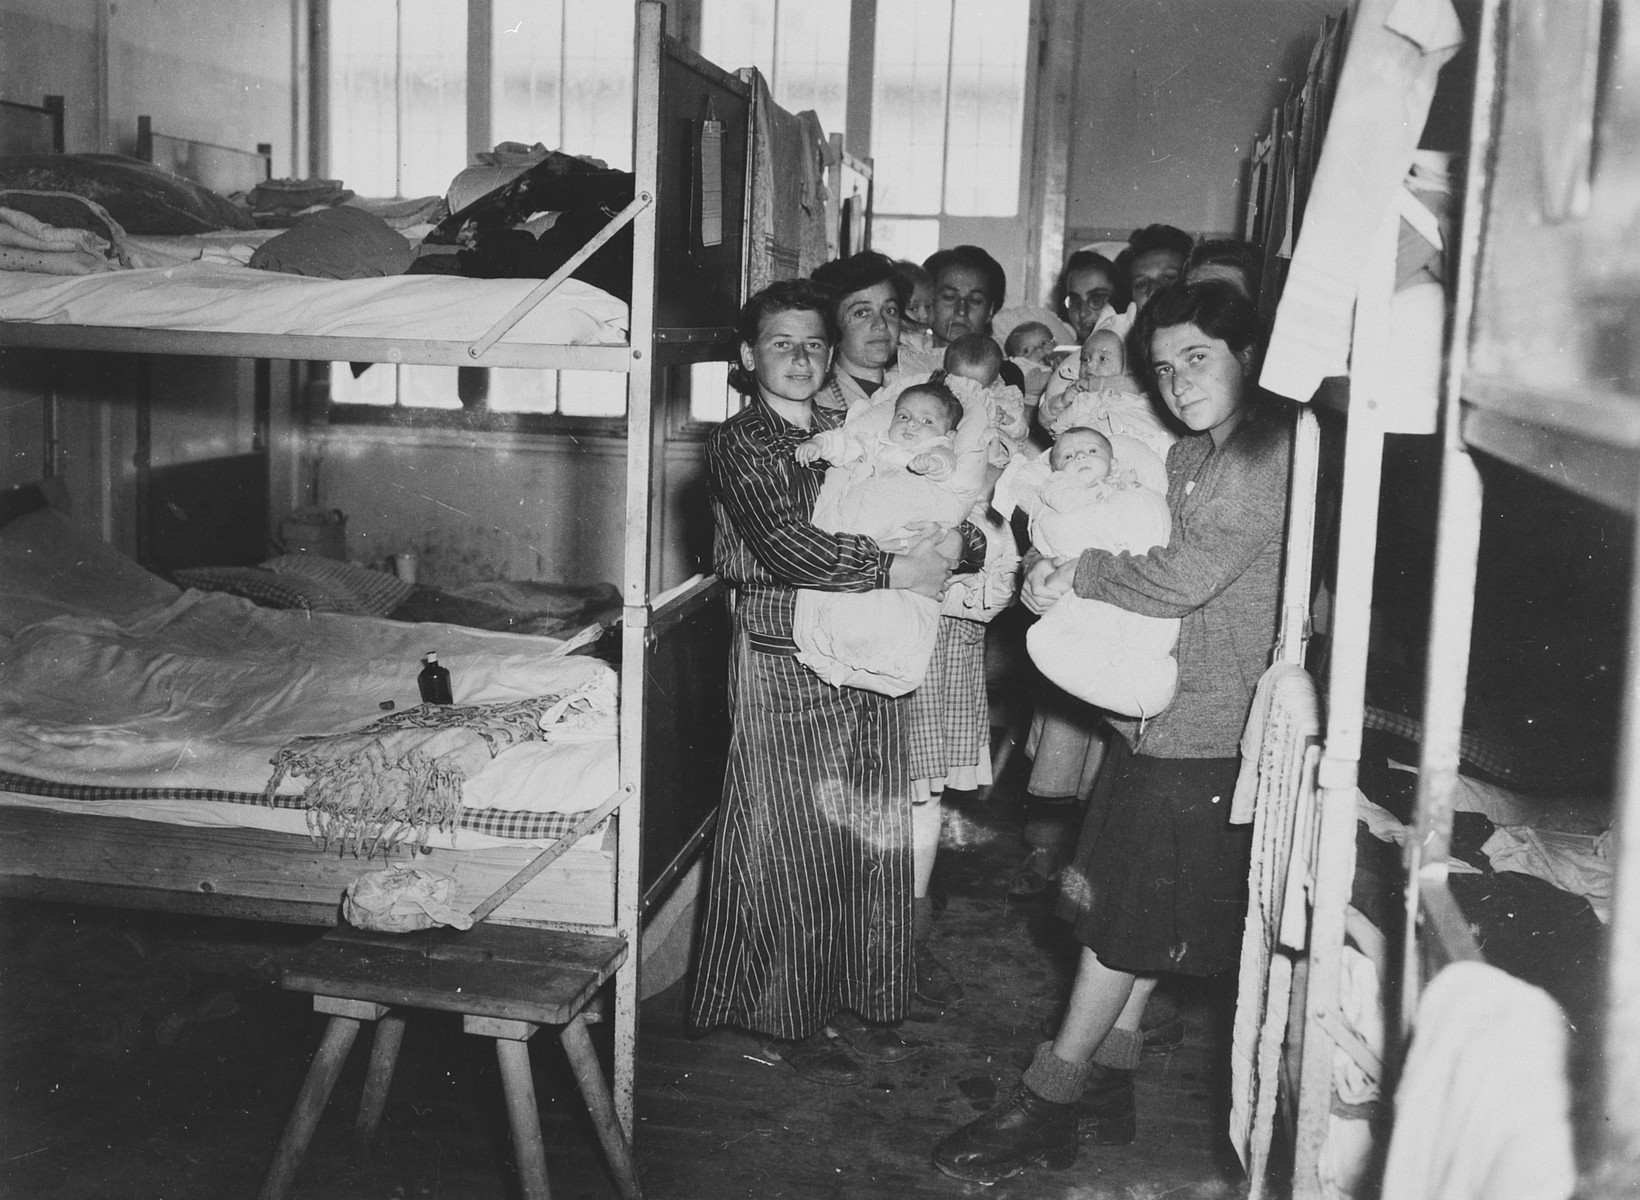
(142, 700)
(224, 297)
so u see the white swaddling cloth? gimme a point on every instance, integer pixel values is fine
(882, 640)
(1118, 660)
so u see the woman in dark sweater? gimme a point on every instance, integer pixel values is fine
(1159, 879)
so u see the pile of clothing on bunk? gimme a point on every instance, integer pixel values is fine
(58, 233)
(523, 211)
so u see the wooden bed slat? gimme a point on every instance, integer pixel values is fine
(233, 871)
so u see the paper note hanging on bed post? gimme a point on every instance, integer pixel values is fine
(711, 183)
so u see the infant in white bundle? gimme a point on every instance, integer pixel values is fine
(1118, 660)
(893, 486)
(1106, 398)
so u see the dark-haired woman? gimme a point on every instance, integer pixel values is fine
(1158, 881)
(871, 298)
(807, 932)
(1086, 285)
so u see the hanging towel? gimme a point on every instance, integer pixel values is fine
(1396, 50)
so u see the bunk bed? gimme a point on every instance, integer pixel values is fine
(671, 646)
(1371, 1014)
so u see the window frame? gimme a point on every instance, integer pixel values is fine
(480, 68)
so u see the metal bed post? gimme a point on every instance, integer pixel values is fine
(637, 570)
(1336, 780)
(1457, 551)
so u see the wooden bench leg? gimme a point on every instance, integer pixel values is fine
(384, 1054)
(304, 1118)
(583, 1059)
(518, 1083)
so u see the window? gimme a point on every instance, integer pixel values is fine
(947, 80)
(948, 114)
(801, 46)
(560, 74)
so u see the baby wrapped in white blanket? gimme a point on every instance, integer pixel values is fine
(1105, 493)
(1105, 397)
(896, 470)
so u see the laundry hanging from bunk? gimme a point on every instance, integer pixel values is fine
(1396, 50)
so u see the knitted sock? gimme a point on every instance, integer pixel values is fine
(1052, 1078)
(1120, 1049)
(922, 918)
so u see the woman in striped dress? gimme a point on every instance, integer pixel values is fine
(807, 932)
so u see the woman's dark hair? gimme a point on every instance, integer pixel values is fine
(1160, 237)
(857, 272)
(1213, 306)
(786, 295)
(975, 259)
(1143, 241)
(1082, 260)
(1227, 252)
(941, 391)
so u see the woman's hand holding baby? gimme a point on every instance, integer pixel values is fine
(923, 562)
(1046, 581)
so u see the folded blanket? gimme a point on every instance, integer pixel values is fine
(58, 233)
(400, 777)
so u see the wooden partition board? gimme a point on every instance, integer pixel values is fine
(686, 714)
(700, 270)
(31, 128)
(225, 170)
(260, 875)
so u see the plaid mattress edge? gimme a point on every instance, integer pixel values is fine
(500, 823)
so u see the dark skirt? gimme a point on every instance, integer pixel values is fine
(808, 911)
(1159, 880)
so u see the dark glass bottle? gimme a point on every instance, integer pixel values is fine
(434, 681)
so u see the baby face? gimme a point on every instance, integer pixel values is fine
(1084, 454)
(1036, 345)
(1103, 356)
(981, 373)
(919, 310)
(918, 417)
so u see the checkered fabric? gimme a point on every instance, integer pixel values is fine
(305, 581)
(949, 724)
(1537, 770)
(501, 823)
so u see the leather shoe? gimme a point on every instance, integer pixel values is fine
(1023, 1130)
(1104, 1114)
(819, 1058)
(874, 1042)
(1035, 875)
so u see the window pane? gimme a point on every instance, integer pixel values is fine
(378, 385)
(433, 67)
(811, 61)
(598, 41)
(363, 99)
(908, 104)
(527, 92)
(913, 238)
(988, 47)
(592, 393)
(739, 33)
(523, 391)
(709, 398)
(428, 387)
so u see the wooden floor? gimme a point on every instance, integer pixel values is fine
(155, 1058)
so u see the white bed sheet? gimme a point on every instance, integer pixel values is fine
(224, 298)
(200, 692)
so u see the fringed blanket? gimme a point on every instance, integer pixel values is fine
(399, 778)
